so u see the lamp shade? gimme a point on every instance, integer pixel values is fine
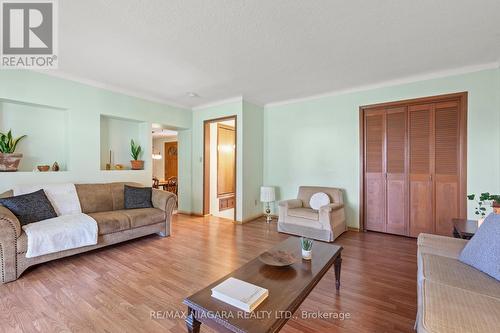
(267, 194)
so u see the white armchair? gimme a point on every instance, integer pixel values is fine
(296, 216)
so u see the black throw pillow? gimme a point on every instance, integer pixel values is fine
(138, 197)
(29, 208)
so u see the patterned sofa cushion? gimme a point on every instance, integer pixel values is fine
(29, 208)
(138, 197)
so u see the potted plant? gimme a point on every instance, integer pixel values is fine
(136, 152)
(495, 203)
(485, 199)
(307, 245)
(9, 161)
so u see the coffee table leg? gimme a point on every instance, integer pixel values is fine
(337, 263)
(193, 325)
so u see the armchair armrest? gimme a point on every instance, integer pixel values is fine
(10, 230)
(293, 203)
(331, 207)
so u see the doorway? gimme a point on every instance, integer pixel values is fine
(219, 167)
(165, 159)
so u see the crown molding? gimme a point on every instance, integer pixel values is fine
(254, 102)
(389, 83)
(109, 87)
(218, 102)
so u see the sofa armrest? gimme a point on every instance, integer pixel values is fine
(293, 203)
(10, 230)
(162, 199)
(331, 207)
(165, 201)
(9, 224)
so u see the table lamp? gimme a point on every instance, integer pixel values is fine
(267, 195)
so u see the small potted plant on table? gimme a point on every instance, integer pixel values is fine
(9, 160)
(306, 245)
(136, 152)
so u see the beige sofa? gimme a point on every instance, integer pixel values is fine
(103, 202)
(296, 216)
(453, 297)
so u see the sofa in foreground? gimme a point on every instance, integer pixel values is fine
(452, 296)
(105, 204)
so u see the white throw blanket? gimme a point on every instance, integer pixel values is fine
(63, 197)
(60, 233)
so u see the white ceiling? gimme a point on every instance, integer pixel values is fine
(269, 51)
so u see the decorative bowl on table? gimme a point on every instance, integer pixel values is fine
(278, 258)
(43, 168)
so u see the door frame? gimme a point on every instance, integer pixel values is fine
(462, 97)
(206, 162)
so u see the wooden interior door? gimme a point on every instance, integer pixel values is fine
(396, 174)
(421, 153)
(226, 160)
(170, 159)
(374, 177)
(447, 161)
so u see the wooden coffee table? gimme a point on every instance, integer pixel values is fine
(288, 287)
(463, 228)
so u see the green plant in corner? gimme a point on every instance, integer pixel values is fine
(8, 143)
(485, 199)
(136, 150)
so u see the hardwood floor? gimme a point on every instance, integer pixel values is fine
(116, 289)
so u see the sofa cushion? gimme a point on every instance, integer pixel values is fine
(95, 198)
(452, 272)
(305, 213)
(118, 193)
(112, 221)
(138, 197)
(319, 200)
(144, 216)
(483, 250)
(448, 309)
(29, 208)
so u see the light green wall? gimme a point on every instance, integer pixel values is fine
(84, 105)
(253, 159)
(199, 116)
(316, 142)
(25, 118)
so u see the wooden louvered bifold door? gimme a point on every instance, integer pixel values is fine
(414, 159)
(446, 165)
(396, 176)
(421, 168)
(374, 177)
